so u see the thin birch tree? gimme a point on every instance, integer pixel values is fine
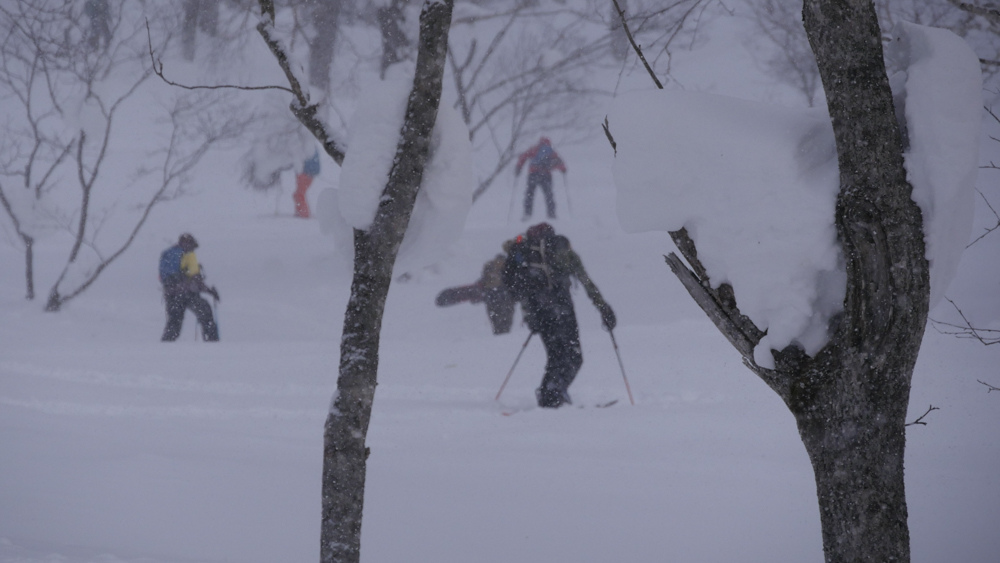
(375, 248)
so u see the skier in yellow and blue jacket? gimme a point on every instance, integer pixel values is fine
(183, 283)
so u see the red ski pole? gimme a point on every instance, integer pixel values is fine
(619, 355)
(511, 372)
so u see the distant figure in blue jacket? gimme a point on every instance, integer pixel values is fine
(183, 283)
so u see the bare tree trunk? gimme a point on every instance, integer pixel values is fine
(198, 14)
(850, 400)
(189, 28)
(394, 42)
(851, 420)
(29, 265)
(326, 20)
(29, 243)
(55, 300)
(345, 453)
(857, 444)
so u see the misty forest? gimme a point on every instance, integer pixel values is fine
(499, 280)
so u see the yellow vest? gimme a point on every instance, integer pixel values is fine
(189, 264)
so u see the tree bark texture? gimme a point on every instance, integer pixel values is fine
(375, 249)
(853, 424)
(850, 400)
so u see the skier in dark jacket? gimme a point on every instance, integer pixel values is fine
(543, 160)
(537, 273)
(183, 283)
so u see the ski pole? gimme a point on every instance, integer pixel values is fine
(569, 202)
(215, 313)
(513, 193)
(621, 365)
(511, 372)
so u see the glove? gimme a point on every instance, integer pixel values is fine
(214, 293)
(608, 317)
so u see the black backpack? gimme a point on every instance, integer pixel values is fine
(534, 263)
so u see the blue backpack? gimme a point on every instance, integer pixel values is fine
(544, 158)
(311, 166)
(170, 265)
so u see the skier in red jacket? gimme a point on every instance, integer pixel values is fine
(543, 161)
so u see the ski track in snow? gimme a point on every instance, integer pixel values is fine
(78, 409)
(153, 382)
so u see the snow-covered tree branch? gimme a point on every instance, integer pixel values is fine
(302, 106)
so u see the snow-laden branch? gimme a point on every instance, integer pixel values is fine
(303, 109)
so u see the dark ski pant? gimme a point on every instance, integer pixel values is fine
(544, 181)
(499, 308)
(178, 304)
(556, 324)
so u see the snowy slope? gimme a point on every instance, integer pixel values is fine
(118, 447)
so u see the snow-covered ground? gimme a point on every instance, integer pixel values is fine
(120, 448)
(116, 447)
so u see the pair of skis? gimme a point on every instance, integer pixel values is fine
(598, 405)
(618, 354)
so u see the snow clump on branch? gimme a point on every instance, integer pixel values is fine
(939, 91)
(756, 185)
(445, 194)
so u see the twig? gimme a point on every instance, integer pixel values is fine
(989, 388)
(607, 133)
(990, 229)
(981, 194)
(920, 419)
(967, 330)
(638, 50)
(158, 70)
